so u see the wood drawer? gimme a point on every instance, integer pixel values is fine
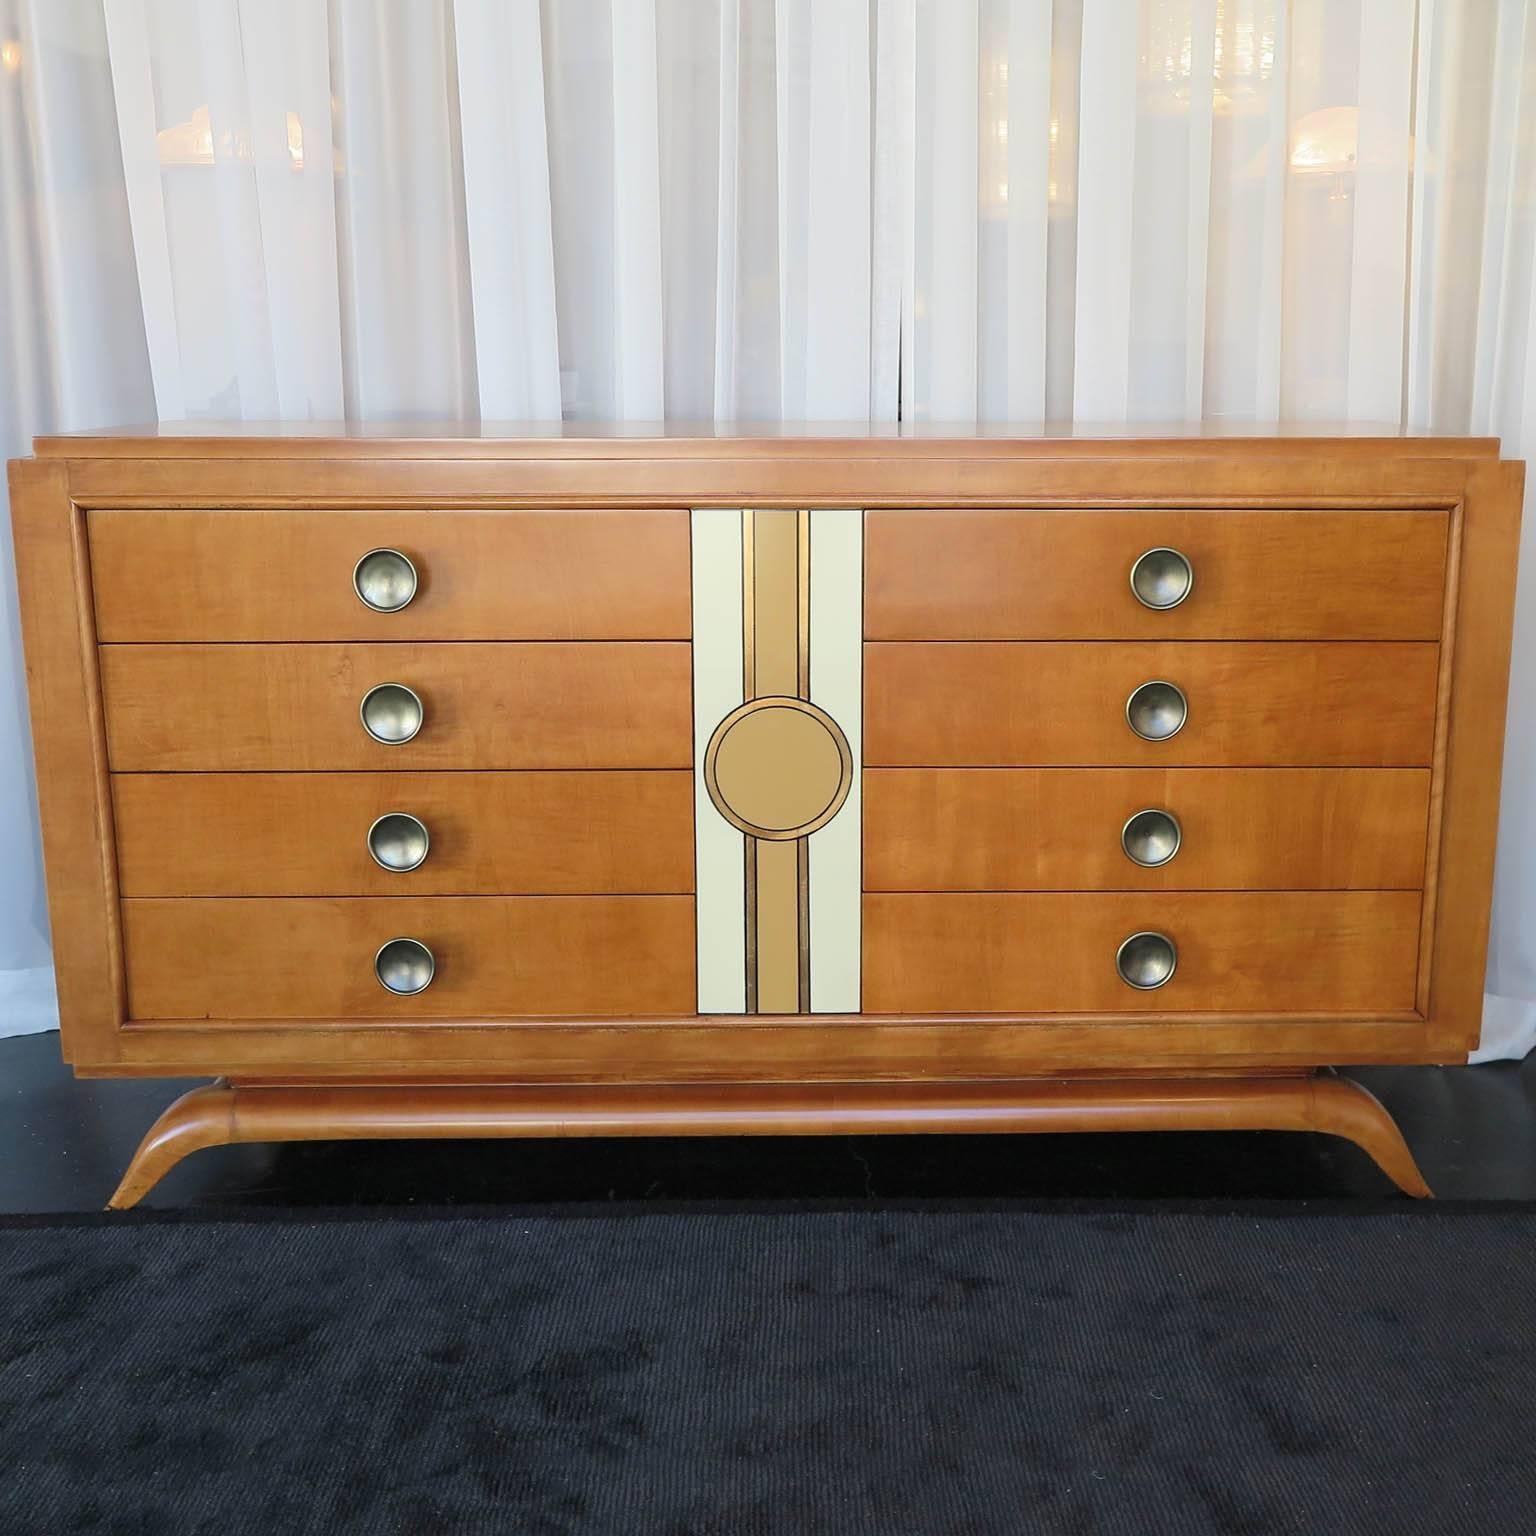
(1059, 829)
(526, 574)
(306, 834)
(497, 957)
(1064, 574)
(1261, 952)
(589, 704)
(1251, 704)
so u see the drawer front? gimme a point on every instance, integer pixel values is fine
(1065, 829)
(1250, 704)
(356, 834)
(495, 957)
(1066, 574)
(479, 575)
(1256, 952)
(205, 708)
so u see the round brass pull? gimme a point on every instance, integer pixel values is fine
(1157, 710)
(1147, 961)
(391, 713)
(1151, 837)
(398, 842)
(1162, 578)
(404, 967)
(385, 580)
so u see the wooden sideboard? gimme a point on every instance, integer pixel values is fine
(543, 783)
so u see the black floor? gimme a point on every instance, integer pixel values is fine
(64, 1143)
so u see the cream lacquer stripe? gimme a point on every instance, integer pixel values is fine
(837, 685)
(717, 690)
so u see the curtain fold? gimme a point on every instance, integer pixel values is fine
(904, 210)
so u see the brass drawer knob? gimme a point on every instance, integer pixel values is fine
(1146, 961)
(1157, 710)
(404, 967)
(391, 713)
(1150, 838)
(398, 842)
(385, 580)
(1162, 578)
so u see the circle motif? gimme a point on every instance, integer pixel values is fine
(778, 768)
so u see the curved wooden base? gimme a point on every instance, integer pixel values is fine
(224, 1112)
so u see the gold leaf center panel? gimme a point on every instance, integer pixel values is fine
(777, 715)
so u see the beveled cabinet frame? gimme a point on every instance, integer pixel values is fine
(260, 467)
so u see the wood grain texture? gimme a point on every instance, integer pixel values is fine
(505, 834)
(53, 578)
(1291, 951)
(1058, 829)
(828, 1048)
(453, 469)
(221, 1114)
(761, 441)
(1251, 704)
(1054, 574)
(586, 704)
(1474, 751)
(496, 956)
(505, 574)
(1296, 473)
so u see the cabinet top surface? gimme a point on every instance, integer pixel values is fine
(859, 440)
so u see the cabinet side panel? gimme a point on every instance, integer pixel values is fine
(1490, 541)
(64, 691)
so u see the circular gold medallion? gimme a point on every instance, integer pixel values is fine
(778, 768)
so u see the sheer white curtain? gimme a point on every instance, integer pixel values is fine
(925, 210)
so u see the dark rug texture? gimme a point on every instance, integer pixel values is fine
(844, 1371)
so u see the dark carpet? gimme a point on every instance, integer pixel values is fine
(1329, 1369)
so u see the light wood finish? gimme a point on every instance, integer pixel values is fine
(206, 708)
(505, 574)
(54, 579)
(304, 834)
(816, 1062)
(1058, 829)
(312, 958)
(1251, 704)
(1473, 747)
(766, 444)
(1010, 574)
(1294, 951)
(928, 1047)
(226, 1113)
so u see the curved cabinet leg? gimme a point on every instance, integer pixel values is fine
(205, 1117)
(1341, 1107)
(236, 1112)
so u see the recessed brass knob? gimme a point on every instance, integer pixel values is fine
(1151, 837)
(385, 580)
(404, 967)
(1156, 711)
(1162, 578)
(398, 842)
(1146, 961)
(391, 713)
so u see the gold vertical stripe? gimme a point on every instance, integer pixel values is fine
(803, 602)
(776, 662)
(803, 907)
(778, 927)
(748, 607)
(776, 603)
(751, 921)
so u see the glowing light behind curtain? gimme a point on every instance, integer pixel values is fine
(744, 209)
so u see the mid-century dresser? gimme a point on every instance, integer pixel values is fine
(543, 783)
